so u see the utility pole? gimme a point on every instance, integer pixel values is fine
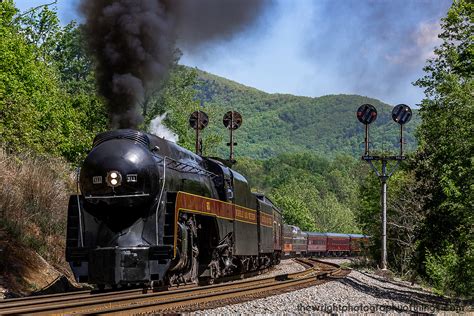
(367, 114)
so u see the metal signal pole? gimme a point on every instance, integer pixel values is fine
(198, 137)
(367, 114)
(383, 176)
(232, 120)
(231, 143)
(198, 121)
(383, 180)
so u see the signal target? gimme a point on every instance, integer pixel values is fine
(401, 114)
(366, 114)
(232, 120)
(198, 120)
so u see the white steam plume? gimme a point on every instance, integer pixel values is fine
(158, 128)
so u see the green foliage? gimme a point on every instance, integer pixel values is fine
(445, 157)
(292, 198)
(177, 99)
(40, 28)
(71, 59)
(445, 268)
(35, 111)
(313, 192)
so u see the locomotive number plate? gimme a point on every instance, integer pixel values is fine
(132, 178)
(97, 180)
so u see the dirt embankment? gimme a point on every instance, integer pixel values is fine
(34, 192)
(24, 272)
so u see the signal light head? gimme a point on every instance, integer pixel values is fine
(401, 114)
(366, 114)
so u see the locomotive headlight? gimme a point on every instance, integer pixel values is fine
(114, 179)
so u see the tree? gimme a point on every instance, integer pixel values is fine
(446, 154)
(40, 27)
(313, 193)
(72, 60)
(293, 198)
(176, 97)
(36, 111)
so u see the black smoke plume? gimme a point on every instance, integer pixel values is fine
(133, 42)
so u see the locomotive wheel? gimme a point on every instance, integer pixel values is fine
(186, 269)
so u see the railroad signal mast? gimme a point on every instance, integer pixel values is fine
(198, 121)
(232, 120)
(367, 114)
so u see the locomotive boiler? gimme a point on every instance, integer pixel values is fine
(152, 212)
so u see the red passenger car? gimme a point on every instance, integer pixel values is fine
(317, 244)
(338, 244)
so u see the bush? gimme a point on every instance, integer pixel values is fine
(441, 270)
(33, 201)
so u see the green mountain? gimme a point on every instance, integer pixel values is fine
(282, 123)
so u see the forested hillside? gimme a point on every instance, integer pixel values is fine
(282, 123)
(313, 192)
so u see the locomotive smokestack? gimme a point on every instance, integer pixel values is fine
(133, 42)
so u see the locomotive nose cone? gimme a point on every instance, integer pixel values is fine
(119, 167)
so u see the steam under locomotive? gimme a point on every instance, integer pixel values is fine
(151, 211)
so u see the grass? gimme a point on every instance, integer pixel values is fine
(33, 202)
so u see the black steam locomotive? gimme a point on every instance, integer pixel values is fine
(152, 212)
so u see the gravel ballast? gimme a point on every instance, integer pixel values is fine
(286, 266)
(359, 292)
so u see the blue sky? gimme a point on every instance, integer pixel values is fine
(374, 48)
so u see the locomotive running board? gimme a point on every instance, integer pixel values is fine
(90, 197)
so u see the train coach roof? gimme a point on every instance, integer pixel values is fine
(315, 234)
(336, 235)
(357, 236)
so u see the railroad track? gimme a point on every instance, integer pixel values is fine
(174, 300)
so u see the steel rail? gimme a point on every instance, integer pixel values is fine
(40, 300)
(37, 301)
(299, 279)
(43, 300)
(85, 302)
(7, 301)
